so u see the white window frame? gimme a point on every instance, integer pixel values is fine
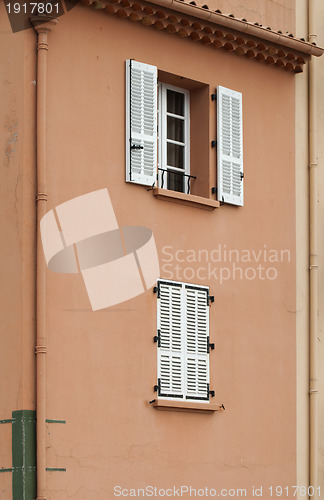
(162, 134)
(183, 353)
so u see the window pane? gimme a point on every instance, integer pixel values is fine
(175, 129)
(175, 102)
(175, 154)
(175, 182)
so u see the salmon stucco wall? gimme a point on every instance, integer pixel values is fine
(101, 366)
(17, 250)
(302, 204)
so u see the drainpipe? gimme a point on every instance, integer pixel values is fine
(313, 257)
(43, 25)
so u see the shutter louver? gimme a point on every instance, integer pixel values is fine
(197, 332)
(170, 352)
(141, 123)
(229, 146)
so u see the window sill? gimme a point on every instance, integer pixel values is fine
(185, 199)
(189, 407)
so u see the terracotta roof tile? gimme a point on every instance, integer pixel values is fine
(200, 24)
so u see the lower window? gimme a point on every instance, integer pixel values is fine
(183, 341)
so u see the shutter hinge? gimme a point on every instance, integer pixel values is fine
(157, 338)
(209, 392)
(210, 298)
(214, 97)
(158, 387)
(156, 289)
(213, 144)
(242, 175)
(210, 346)
(214, 190)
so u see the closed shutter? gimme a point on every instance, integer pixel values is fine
(183, 347)
(141, 123)
(170, 351)
(229, 146)
(196, 334)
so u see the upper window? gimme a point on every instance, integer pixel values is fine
(173, 137)
(183, 341)
(158, 142)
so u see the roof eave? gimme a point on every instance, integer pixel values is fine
(200, 24)
(242, 26)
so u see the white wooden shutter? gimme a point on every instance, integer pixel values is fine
(229, 146)
(183, 341)
(196, 335)
(170, 351)
(141, 123)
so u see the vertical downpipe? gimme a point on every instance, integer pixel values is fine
(313, 259)
(43, 25)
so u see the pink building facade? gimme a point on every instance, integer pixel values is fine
(163, 164)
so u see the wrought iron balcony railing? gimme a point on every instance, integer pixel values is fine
(186, 179)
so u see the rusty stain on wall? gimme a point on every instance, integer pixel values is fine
(10, 147)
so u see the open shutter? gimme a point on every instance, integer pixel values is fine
(196, 335)
(141, 123)
(170, 350)
(229, 146)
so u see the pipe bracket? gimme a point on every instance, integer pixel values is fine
(41, 197)
(40, 349)
(42, 46)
